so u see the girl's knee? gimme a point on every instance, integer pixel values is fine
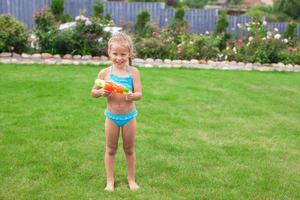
(128, 150)
(111, 150)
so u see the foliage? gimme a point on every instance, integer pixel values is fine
(45, 29)
(142, 24)
(289, 7)
(13, 35)
(295, 57)
(155, 48)
(222, 23)
(282, 10)
(260, 46)
(178, 25)
(198, 47)
(221, 29)
(98, 8)
(146, 1)
(172, 3)
(90, 37)
(44, 19)
(57, 9)
(87, 37)
(291, 33)
(260, 11)
(235, 2)
(195, 4)
(63, 42)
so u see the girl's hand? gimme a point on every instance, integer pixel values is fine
(129, 96)
(104, 92)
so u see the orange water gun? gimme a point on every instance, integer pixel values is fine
(111, 86)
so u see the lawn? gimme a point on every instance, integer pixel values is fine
(202, 134)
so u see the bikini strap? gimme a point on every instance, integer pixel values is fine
(127, 69)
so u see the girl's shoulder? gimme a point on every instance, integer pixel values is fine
(133, 70)
(102, 74)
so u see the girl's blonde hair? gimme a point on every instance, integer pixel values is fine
(123, 39)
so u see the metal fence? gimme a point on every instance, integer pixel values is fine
(123, 13)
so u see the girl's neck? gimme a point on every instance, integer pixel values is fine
(123, 68)
(122, 71)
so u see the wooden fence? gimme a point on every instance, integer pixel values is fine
(122, 13)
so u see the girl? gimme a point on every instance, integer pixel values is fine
(121, 112)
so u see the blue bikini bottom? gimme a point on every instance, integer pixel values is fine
(120, 119)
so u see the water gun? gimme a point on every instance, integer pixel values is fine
(111, 86)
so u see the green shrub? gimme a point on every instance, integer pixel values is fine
(155, 48)
(13, 35)
(98, 8)
(195, 4)
(208, 46)
(172, 3)
(57, 7)
(63, 42)
(45, 29)
(89, 36)
(44, 19)
(291, 33)
(222, 23)
(142, 25)
(178, 25)
(295, 56)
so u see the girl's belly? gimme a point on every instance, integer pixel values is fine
(118, 105)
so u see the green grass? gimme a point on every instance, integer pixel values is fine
(202, 134)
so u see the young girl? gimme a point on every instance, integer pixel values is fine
(120, 112)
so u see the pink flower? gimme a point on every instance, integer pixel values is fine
(290, 49)
(154, 34)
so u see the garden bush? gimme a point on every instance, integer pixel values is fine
(45, 29)
(86, 37)
(260, 46)
(221, 30)
(90, 37)
(142, 27)
(57, 9)
(295, 57)
(178, 25)
(13, 35)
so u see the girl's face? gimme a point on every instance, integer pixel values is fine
(119, 54)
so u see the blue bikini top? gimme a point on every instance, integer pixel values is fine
(125, 81)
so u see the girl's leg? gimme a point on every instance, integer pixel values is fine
(112, 136)
(128, 135)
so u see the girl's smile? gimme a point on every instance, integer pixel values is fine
(119, 54)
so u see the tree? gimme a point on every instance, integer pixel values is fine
(222, 23)
(235, 2)
(289, 7)
(142, 23)
(57, 7)
(98, 8)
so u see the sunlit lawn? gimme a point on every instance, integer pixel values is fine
(202, 134)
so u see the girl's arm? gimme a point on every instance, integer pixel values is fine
(137, 85)
(96, 90)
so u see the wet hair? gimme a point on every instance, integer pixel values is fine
(123, 39)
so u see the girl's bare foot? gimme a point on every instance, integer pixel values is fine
(109, 187)
(133, 185)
